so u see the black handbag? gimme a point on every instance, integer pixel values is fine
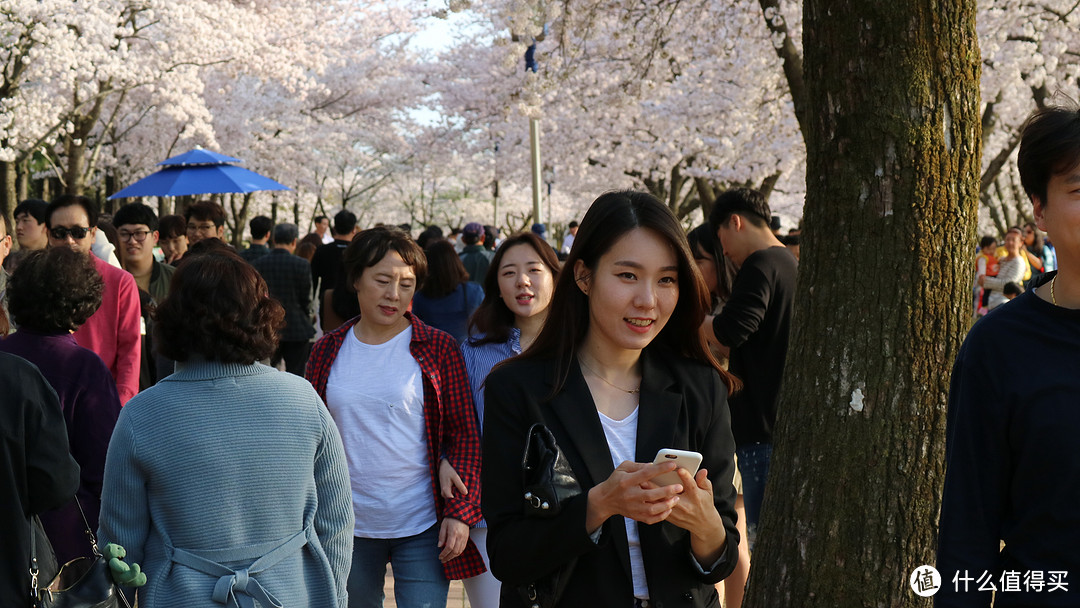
(84, 582)
(549, 482)
(546, 474)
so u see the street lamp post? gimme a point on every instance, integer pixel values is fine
(534, 140)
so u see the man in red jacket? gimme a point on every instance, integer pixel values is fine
(113, 331)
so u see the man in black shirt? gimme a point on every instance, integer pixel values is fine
(753, 328)
(1012, 465)
(327, 265)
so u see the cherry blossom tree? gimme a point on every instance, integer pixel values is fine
(1031, 57)
(634, 94)
(684, 98)
(40, 45)
(309, 93)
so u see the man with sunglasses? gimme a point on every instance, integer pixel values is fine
(113, 332)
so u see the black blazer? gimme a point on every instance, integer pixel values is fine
(683, 405)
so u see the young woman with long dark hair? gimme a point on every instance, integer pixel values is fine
(623, 373)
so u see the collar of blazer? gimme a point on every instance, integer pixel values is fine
(660, 408)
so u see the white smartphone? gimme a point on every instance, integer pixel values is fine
(683, 458)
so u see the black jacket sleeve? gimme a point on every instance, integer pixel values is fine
(744, 312)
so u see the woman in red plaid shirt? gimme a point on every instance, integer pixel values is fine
(399, 394)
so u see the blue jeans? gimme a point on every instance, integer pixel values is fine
(419, 581)
(754, 468)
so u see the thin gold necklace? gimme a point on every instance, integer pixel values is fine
(1053, 300)
(606, 381)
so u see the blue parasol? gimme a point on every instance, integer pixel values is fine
(199, 171)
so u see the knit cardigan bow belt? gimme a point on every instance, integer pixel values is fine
(241, 586)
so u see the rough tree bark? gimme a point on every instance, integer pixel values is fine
(892, 137)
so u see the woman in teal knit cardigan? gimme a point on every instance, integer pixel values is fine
(227, 481)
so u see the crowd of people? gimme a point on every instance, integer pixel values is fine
(1006, 271)
(279, 424)
(164, 365)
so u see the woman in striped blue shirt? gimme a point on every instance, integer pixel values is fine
(517, 288)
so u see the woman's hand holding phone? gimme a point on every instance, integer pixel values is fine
(683, 459)
(695, 511)
(628, 491)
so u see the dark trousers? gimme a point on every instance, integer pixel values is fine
(295, 355)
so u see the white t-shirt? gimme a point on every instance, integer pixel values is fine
(622, 443)
(375, 393)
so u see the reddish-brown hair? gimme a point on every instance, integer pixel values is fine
(219, 308)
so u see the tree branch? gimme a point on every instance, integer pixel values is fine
(793, 63)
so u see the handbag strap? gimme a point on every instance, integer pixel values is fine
(89, 533)
(34, 569)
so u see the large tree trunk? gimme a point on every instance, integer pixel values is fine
(892, 143)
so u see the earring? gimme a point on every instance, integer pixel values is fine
(582, 283)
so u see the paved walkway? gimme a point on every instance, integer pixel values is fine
(456, 598)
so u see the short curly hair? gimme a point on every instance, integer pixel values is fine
(54, 290)
(218, 308)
